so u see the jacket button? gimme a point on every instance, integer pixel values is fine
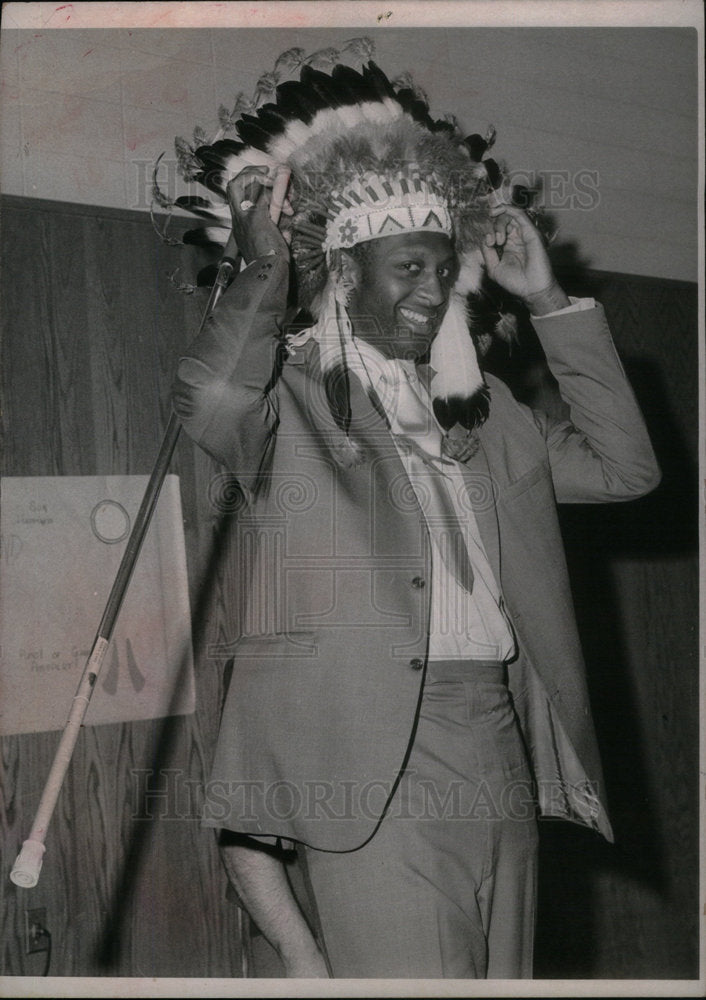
(417, 663)
(418, 582)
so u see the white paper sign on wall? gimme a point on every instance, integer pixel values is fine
(62, 541)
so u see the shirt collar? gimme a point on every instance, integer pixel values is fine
(391, 372)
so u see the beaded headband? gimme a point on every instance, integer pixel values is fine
(374, 206)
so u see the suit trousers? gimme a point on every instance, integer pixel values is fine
(446, 886)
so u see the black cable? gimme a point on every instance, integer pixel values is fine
(38, 933)
(47, 935)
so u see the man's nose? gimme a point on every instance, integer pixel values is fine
(432, 290)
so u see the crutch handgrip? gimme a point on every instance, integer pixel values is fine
(28, 865)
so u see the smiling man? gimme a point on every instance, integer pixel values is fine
(401, 287)
(408, 689)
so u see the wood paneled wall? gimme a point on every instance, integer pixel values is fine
(134, 887)
(92, 328)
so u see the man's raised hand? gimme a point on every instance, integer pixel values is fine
(515, 257)
(249, 199)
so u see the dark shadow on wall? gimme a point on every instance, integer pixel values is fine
(630, 910)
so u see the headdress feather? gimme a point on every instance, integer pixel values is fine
(331, 130)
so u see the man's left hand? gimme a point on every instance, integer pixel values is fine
(516, 259)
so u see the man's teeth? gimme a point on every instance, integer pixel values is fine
(415, 316)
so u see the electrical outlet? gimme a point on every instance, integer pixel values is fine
(35, 926)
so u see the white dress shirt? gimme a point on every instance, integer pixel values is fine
(465, 623)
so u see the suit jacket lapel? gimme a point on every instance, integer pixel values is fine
(481, 490)
(369, 427)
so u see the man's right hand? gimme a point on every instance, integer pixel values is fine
(249, 199)
(258, 876)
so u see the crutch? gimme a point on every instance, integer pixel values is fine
(26, 869)
(28, 864)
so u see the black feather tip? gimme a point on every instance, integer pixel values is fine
(469, 411)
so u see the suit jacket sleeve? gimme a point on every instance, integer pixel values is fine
(223, 392)
(603, 452)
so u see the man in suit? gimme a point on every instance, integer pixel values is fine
(408, 688)
(408, 680)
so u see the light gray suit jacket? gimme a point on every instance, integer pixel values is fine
(332, 642)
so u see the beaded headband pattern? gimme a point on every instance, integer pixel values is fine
(372, 207)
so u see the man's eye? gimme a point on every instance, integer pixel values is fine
(411, 267)
(444, 272)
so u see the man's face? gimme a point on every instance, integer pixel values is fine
(402, 292)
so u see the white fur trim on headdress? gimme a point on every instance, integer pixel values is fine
(458, 390)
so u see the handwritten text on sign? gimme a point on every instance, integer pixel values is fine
(62, 541)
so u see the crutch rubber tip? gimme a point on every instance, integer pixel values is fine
(28, 865)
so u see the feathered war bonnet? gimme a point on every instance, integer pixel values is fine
(363, 160)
